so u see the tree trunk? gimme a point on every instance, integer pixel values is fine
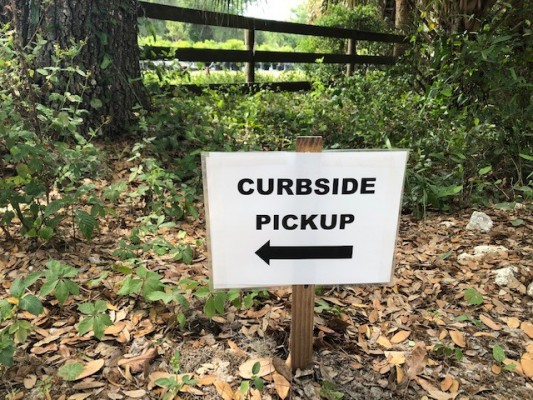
(110, 53)
(401, 23)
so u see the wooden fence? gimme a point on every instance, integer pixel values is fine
(250, 56)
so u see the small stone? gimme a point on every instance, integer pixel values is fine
(480, 221)
(530, 290)
(447, 224)
(505, 276)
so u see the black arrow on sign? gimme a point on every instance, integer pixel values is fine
(268, 252)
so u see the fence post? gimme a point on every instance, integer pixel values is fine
(351, 52)
(249, 42)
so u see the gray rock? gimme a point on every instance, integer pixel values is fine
(479, 221)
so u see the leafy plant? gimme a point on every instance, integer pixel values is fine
(499, 356)
(255, 382)
(328, 392)
(473, 297)
(97, 320)
(57, 280)
(17, 330)
(175, 383)
(446, 352)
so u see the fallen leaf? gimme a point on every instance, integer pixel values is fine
(526, 363)
(446, 383)
(527, 327)
(395, 357)
(224, 390)
(496, 369)
(513, 322)
(80, 396)
(30, 381)
(282, 368)
(400, 375)
(433, 391)
(416, 361)
(238, 351)
(384, 342)
(490, 323)
(206, 380)
(399, 337)
(282, 385)
(139, 363)
(458, 338)
(266, 367)
(90, 368)
(135, 394)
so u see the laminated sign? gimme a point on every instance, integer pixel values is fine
(284, 218)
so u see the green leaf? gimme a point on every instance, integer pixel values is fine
(100, 306)
(166, 382)
(53, 207)
(259, 384)
(505, 206)
(526, 156)
(517, 222)
(101, 322)
(85, 325)
(182, 320)
(256, 368)
(48, 287)
(106, 62)
(209, 307)
(220, 302)
(61, 292)
(157, 295)
(86, 308)
(510, 367)
(446, 255)
(31, 304)
(87, 224)
(202, 291)
(46, 233)
(70, 372)
(245, 386)
(7, 350)
(498, 353)
(458, 354)
(17, 288)
(473, 297)
(485, 170)
(130, 285)
(96, 103)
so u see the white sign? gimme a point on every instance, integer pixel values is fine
(285, 218)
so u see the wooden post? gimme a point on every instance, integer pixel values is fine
(249, 42)
(303, 296)
(351, 51)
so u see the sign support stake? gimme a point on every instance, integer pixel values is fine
(303, 296)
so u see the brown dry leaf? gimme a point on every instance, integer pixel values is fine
(490, 323)
(245, 370)
(400, 375)
(224, 390)
(417, 360)
(30, 381)
(446, 383)
(282, 368)
(139, 363)
(256, 394)
(529, 347)
(384, 342)
(80, 396)
(399, 337)
(496, 369)
(395, 357)
(513, 322)
(282, 385)
(526, 362)
(135, 394)
(238, 351)
(206, 380)
(90, 368)
(527, 327)
(458, 338)
(433, 391)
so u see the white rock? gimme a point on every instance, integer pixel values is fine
(480, 222)
(484, 251)
(530, 290)
(447, 224)
(505, 276)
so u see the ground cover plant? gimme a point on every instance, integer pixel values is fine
(104, 266)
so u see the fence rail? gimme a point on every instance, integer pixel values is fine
(250, 56)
